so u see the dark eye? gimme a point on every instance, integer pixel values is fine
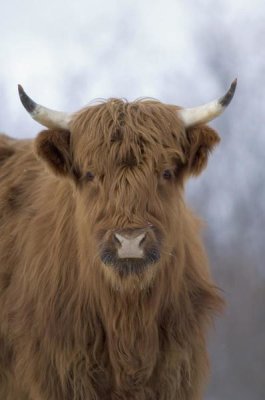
(89, 176)
(167, 174)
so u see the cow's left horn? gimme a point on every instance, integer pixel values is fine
(45, 116)
(207, 112)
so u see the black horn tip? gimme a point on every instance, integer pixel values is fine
(226, 99)
(27, 102)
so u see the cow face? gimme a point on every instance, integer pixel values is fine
(128, 163)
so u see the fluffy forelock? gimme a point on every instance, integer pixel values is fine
(117, 133)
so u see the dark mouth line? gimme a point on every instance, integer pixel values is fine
(126, 266)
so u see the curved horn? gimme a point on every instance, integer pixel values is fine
(45, 116)
(207, 112)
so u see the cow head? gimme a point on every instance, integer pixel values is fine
(127, 163)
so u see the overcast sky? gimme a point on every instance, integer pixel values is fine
(66, 53)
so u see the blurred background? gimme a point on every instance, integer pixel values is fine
(68, 53)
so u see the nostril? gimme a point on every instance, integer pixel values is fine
(142, 240)
(116, 239)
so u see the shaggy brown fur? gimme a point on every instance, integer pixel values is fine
(71, 328)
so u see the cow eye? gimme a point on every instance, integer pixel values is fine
(89, 176)
(167, 174)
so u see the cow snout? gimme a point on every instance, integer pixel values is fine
(130, 244)
(131, 250)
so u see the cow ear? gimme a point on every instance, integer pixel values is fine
(53, 146)
(201, 141)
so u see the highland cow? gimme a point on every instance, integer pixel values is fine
(105, 291)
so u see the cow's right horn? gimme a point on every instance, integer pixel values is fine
(45, 116)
